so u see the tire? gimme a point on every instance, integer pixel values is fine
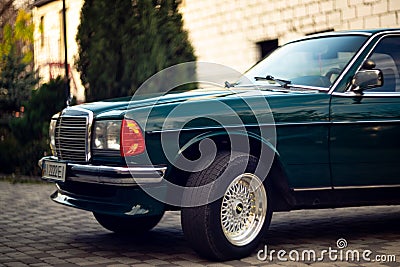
(232, 226)
(127, 225)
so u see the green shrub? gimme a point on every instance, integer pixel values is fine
(27, 140)
(8, 150)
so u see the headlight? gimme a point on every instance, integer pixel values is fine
(107, 134)
(52, 133)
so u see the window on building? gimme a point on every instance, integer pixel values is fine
(41, 29)
(61, 44)
(266, 47)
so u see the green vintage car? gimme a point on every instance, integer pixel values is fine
(316, 124)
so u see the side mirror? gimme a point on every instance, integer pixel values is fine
(367, 79)
(368, 64)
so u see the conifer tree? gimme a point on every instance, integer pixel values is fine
(124, 42)
(101, 61)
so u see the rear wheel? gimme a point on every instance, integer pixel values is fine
(127, 225)
(232, 226)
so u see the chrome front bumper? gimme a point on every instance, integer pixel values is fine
(110, 175)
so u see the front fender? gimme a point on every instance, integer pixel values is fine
(224, 135)
(276, 173)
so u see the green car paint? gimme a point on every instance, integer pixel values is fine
(328, 138)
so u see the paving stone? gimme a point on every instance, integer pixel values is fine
(16, 264)
(37, 232)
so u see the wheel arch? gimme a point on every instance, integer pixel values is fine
(277, 176)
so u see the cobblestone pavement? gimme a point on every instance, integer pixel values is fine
(37, 232)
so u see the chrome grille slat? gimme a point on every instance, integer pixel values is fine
(70, 150)
(72, 135)
(66, 139)
(71, 144)
(75, 129)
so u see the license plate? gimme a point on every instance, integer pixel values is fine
(54, 170)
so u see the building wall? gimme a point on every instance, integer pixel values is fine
(49, 42)
(227, 31)
(223, 31)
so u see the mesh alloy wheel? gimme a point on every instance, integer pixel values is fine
(243, 209)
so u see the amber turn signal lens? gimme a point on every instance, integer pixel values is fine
(132, 141)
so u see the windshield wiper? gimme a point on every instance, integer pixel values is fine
(281, 82)
(229, 85)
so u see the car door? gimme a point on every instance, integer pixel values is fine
(365, 128)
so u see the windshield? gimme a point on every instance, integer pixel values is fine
(312, 62)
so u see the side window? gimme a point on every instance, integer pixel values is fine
(386, 56)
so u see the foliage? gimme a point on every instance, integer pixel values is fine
(44, 103)
(23, 135)
(17, 77)
(8, 150)
(122, 43)
(8, 13)
(26, 139)
(18, 37)
(101, 59)
(16, 82)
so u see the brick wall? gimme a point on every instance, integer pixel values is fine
(226, 31)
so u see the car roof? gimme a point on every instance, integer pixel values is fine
(366, 32)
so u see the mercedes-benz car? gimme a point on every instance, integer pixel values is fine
(316, 124)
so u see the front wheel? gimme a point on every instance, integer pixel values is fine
(232, 226)
(127, 225)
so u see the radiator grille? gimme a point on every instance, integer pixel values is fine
(71, 137)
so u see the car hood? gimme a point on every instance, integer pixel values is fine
(116, 106)
(201, 101)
